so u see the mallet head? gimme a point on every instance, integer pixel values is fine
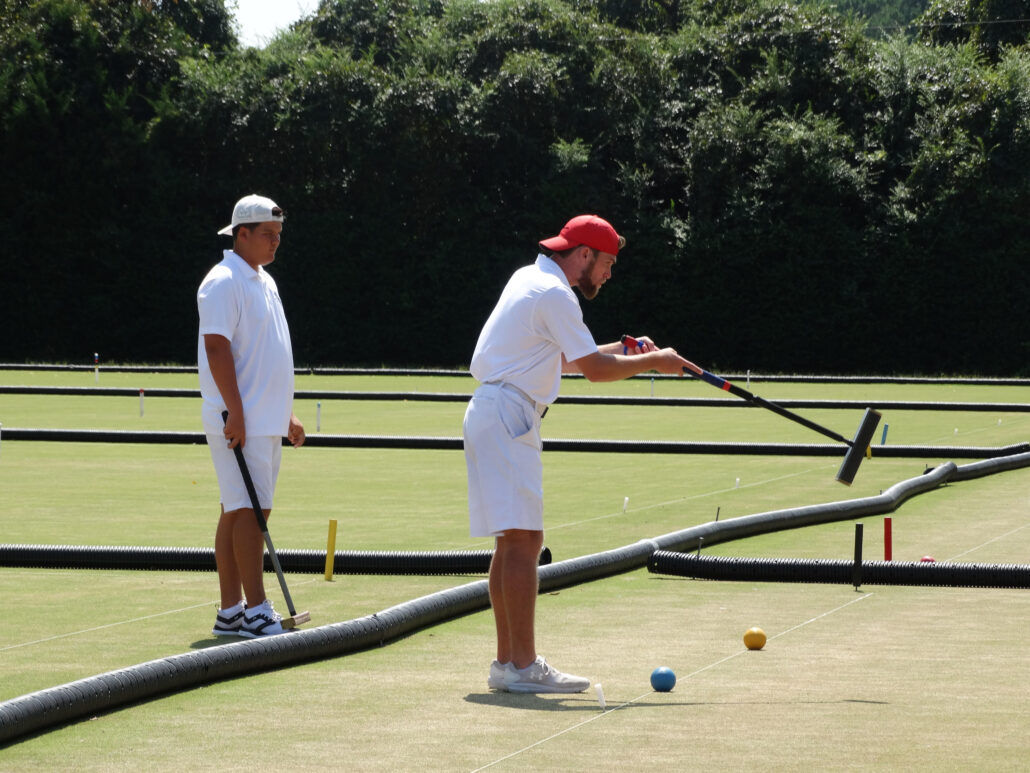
(853, 458)
(295, 620)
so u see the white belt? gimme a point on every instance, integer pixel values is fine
(540, 408)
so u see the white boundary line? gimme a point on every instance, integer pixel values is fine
(702, 495)
(683, 499)
(210, 603)
(640, 697)
(109, 625)
(988, 542)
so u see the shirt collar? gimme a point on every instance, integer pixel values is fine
(243, 265)
(550, 266)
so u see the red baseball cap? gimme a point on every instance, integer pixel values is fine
(591, 230)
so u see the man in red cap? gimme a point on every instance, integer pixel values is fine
(534, 334)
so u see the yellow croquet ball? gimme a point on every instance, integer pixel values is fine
(754, 638)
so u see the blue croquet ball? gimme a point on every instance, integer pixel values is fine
(663, 679)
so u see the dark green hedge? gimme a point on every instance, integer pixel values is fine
(798, 194)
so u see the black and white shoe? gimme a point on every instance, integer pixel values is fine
(229, 621)
(261, 620)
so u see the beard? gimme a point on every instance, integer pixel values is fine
(585, 284)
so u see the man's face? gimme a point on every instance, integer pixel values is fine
(596, 272)
(257, 246)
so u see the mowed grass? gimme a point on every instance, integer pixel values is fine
(881, 678)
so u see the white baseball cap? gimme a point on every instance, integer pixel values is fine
(253, 209)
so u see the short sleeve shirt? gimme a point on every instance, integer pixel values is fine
(243, 306)
(536, 320)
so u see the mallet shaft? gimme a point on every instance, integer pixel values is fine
(858, 446)
(733, 389)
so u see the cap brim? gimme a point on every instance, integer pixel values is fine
(555, 244)
(227, 231)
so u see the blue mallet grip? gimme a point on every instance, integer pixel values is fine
(629, 342)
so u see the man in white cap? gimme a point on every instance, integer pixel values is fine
(534, 334)
(245, 362)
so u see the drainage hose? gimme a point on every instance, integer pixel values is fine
(839, 572)
(203, 559)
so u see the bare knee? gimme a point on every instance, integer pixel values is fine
(243, 512)
(521, 544)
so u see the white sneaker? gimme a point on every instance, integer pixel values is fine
(261, 620)
(229, 621)
(496, 679)
(538, 676)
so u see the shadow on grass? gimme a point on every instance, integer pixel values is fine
(215, 641)
(556, 702)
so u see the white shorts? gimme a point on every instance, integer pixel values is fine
(505, 469)
(263, 455)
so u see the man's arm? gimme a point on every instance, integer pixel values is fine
(640, 345)
(223, 370)
(603, 366)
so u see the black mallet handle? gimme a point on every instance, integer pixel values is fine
(858, 446)
(852, 459)
(733, 389)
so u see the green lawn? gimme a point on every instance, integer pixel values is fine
(884, 678)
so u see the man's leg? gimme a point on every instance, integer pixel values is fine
(229, 584)
(513, 590)
(514, 586)
(240, 557)
(249, 548)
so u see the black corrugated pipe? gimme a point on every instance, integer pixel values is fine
(463, 397)
(839, 572)
(549, 444)
(203, 559)
(798, 378)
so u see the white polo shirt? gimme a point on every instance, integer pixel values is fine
(243, 305)
(537, 318)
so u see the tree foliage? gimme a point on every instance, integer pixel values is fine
(798, 194)
(884, 17)
(989, 25)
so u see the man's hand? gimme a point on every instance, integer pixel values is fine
(668, 361)
(637, 345)
(295, 434)
(235, 429)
